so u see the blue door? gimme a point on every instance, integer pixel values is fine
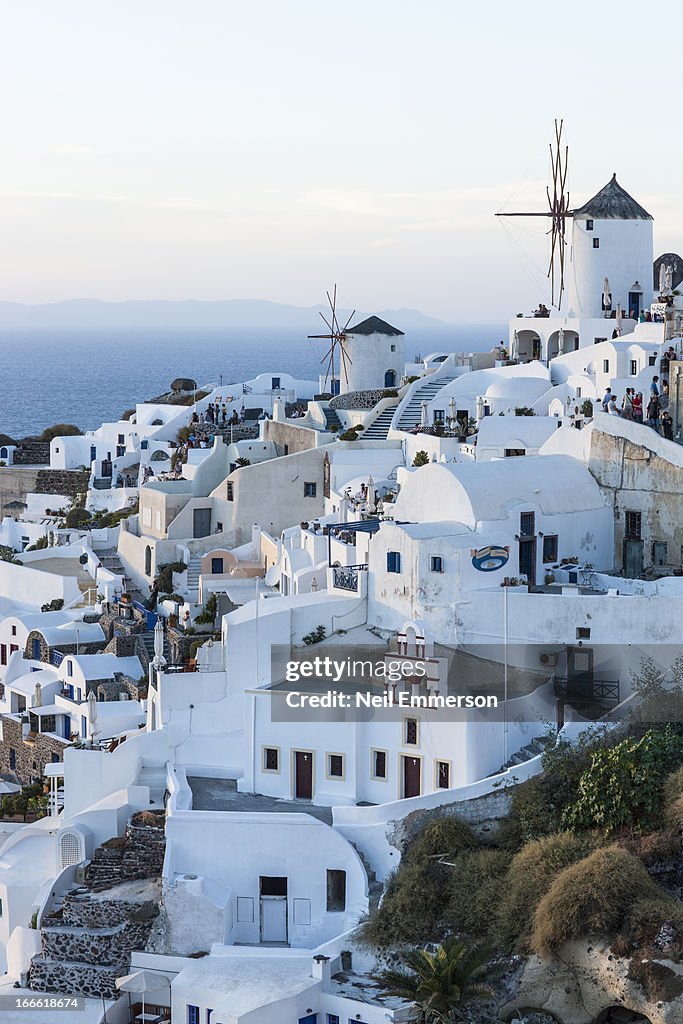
(312, 1018)
(36, 648)
(84, 727)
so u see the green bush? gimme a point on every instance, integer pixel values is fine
(39, 545)
(55, 605)
(76, 517)
(595, 896)
(476, 886)
(421, 459)
(208, 613)
(60, 430)
(318, 634)
(623, 787)
(524, 410)
(348, 435)
(531, 874)
(444, 836)
(390, 393)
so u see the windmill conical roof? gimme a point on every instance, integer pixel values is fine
(613, 203)
(374, 325)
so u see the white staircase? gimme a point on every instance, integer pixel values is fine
(379, 428)
(193, 573)
(153, 776)
(411, 413)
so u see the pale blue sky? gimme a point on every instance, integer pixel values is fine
(264, 149)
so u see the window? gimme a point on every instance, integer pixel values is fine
(527, 524)
(14, 630)
(439, 416)
(0, 908)
(393, 561)
(310, 490)
(230, 494)
(589, 225)
(659, 552)
(393, 348)
(512, 453)
(192, 1014)
(634, 368)
(633, 525)
(336, 891)
(578, 392)
(652, 360)
(69, 668)
(275, 383)
(271, 759)
(605, 366)
(120, 439)
(12, 757)
(216, 566)
(332, 1018)
(410, 731)
(550, 548)
(443, 774)
(335, 766)
(596, 243)
(379, 764)
(208, 1016)
(3, 654)
(597, 341)
(436, 563)
(583, 633)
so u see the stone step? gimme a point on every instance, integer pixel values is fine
(93, 980)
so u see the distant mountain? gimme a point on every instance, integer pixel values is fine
(190, 313)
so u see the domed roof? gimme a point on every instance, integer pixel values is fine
(612, 203)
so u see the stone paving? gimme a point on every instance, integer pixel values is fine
(222, 795)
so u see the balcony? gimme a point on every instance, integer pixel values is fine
(346, 578)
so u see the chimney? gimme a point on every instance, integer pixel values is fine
(322, 969)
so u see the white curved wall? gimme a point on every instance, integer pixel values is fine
(624, 256)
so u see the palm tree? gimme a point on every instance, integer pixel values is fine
(437, 983)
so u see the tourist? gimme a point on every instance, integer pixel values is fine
(648, 317)
(606, 399)
(612, 407)
(664, 396)
(243, 413)
(667, 426)
(637, 403)
(641, 318)
(653, 412)
(224, 413)
(627, 405)
(209, 413)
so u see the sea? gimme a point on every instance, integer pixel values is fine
(90, 376)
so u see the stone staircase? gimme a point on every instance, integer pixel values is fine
(88, 936)
(412, 412)
(110, 560)
(532, 749)
(193, 573)
(379, 428)
(375, 887)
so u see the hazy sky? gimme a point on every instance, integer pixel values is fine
(265, 149)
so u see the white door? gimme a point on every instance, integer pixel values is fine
(273, 919)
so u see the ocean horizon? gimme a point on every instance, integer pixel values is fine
(88, 376)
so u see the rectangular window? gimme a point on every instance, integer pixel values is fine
(379, 763)
(393, 561)
(3, 654)
(659, 552)
(121, 439)
(597, 341)
(439, 416)
(527, 524)
(393, 348)
(12, 758)
(192, 1014)
(550, 548)
(14, 630)
(336, 891)
(443, 775)
(583, 633)
(596, 243)
(310, 490)
(271, 759)
(436, 563)
(69, 668)
(216, 566)
(589, 225)
(634, 368)
(332, 1018)
(652, 360)
(335, 766)
(605, 366)
(230, 494)
(513, 453)
(410, 732)
(633, 525)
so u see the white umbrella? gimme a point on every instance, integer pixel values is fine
(451, 410)
(143, 981)
(662, 279)
(619, 316)
(92, 715)
(371, 495)
(514, 353)
(606, 295)
(669, 278)
(424, 414)
(560, 341)
(159, 644)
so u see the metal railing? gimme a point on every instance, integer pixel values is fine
(346, 578)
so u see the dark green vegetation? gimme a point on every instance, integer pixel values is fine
(591, 846)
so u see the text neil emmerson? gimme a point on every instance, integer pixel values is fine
(363, 699)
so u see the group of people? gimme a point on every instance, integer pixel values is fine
(217, 415)
(656, 413)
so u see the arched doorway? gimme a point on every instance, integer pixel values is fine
(390, 379)
(148, 561)
(561, 342)
(527, 346)
(621, 1015)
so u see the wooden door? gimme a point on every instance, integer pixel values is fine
(303, 775)
(411, 776)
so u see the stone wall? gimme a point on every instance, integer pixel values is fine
(31, 757)
(62, 481)
(140, 854)
(95, 647)
(295, 438)
(32, 453)
(484, 814)
(358, 399)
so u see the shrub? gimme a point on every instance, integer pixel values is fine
(348, 435)
(592, 897)
(624, 786)
(390, 393)
(476, 886)
(444, 836)
(524, 410)
(127, 413)
(60, 430)
(55, 605)
(318, 634)
(39, 544)
(76, 517)
(164, 577)
(531, 874)
(208, 612)
(672, 796)
(421, 458)
(587, 408)
(242, 462)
